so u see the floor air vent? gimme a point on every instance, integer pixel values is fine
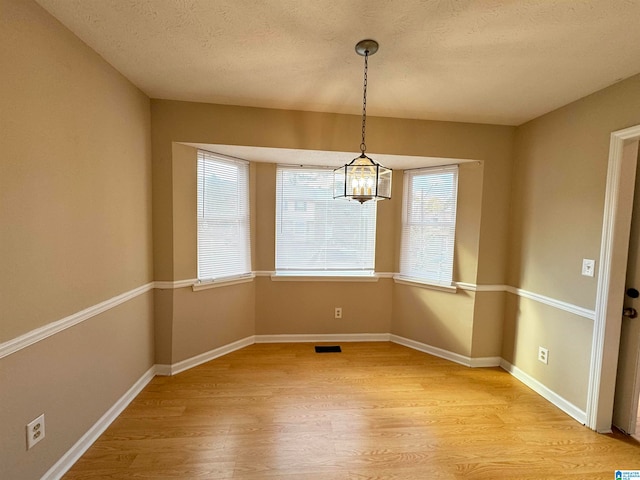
(328, 349)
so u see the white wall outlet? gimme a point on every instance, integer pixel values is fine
(588, 266)
(338, 313)
(35, 431)
(543, 355)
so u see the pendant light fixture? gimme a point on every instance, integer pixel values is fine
(363, 179)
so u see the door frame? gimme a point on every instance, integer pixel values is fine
(618, 207)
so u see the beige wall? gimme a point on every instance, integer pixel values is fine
(559, 182)
(82, 148)
(488, 316)
(439, 319)
(186, 122)
(200, 321)
(294, 307)
(163, 325)
(184, 207)
(468, 220)
(568, 337)
(74, 178)
(466, 323)
(264, 212)
(75, 230)
(279, 306)
(212, 318)
(73, 377)
(559, 179)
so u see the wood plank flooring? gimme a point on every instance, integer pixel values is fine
(374, 411)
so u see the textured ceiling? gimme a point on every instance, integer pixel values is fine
(487, 61)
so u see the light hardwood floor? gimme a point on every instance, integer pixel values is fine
(375, 411)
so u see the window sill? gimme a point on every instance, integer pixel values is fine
(415, 282)
(315, 277)
(222, 282)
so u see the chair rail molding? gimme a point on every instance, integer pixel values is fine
(12, 346)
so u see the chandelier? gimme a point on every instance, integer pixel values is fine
(363, 179)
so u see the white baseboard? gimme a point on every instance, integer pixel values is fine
(207, 356)
(74, 453)
(330, 337)
(447, 355)
(484, 362)
(163, 370)
(563, 404)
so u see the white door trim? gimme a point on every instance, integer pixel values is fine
(605, 344)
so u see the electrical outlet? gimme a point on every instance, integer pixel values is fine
(35, 431)
(588, 266)
(543, 355)
(338, 313)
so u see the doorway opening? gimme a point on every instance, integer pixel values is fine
(627, 394)
(612, 277)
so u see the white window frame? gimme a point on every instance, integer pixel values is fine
(286, 263)
(219, 261)
(418, 260)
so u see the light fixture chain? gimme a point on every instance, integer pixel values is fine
(363, 146)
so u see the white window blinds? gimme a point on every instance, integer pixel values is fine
(429, 224)
(316, 233)
(223, 217)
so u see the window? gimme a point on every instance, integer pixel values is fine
(317, 234)
(429, 224)
(223, 217)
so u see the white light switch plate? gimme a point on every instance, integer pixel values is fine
(588, 266)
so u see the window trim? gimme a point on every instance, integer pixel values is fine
(208, 282)
(294, 274)
(417, 282)
(411, 278)
(222, 282)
